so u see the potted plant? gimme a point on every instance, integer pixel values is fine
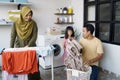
(77, 34)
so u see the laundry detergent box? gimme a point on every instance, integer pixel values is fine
(5, 0)
(21, 1)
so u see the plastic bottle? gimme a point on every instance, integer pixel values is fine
(70, 10)
(70, 19)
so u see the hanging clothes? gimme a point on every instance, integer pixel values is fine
(20, 62)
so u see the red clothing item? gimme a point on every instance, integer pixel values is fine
(20, 62)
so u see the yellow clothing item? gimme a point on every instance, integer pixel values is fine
(91, 48)
(24, 28)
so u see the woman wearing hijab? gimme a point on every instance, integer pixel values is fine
(24, 34)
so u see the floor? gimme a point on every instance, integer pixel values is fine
(60, 74)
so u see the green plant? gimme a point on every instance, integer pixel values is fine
(77, 34)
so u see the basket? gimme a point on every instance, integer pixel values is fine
(73, 74)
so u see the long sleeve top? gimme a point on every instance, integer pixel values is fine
(17, 42)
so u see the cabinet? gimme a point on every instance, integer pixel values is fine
(64, 18)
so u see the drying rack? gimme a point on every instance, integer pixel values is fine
(40, 55)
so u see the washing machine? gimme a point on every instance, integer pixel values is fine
(57, 42)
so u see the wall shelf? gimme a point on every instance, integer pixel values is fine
(6, 24)
(14, 3)
(63, 14)
(68, 17)
(66, 23)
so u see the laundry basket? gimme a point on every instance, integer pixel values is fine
(73, 74)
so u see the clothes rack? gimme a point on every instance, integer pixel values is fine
(38, 49)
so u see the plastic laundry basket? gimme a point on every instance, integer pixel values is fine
(73, 74)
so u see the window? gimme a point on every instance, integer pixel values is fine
(91, 13)
(105, 12)
(117, 13)
(104, 31)
(90, 0)
(105, 15)
(103, 0)
(117, 33)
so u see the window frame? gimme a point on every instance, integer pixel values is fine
(97, 21)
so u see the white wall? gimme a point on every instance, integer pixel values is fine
(4, 9)
(111, 58)
(45, 15)
(79, 16)
(4, 36)
(44, 12)
(5, 30)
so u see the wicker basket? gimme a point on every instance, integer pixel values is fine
(73, 74)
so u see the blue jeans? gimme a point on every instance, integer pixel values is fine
(95, 72)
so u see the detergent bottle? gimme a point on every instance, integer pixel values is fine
(70, 10)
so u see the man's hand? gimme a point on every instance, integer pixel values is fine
(89, 62)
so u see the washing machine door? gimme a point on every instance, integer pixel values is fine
(58, 52)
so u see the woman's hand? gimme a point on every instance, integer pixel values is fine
(26, 46)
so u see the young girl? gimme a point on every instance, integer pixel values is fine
(69, 34)
(72, 56)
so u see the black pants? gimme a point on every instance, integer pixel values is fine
(35, 76)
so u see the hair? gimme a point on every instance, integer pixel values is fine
(31, 12)
(89, 27)
(66, 31)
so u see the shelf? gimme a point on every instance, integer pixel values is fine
(14, 3)
(5, 24)
(63, 14)
(66, 23)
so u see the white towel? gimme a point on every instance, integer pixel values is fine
(7, 76)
